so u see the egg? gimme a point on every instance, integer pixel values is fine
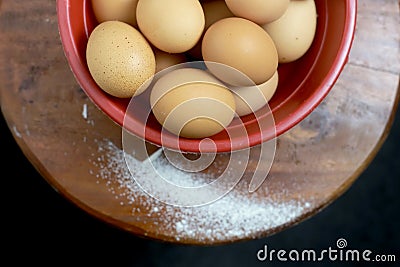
(165, 60)
(294, 32)
(174, 26)
(119, 59)
(258, 11)
(191, 103)
(250, 99)
(213, 11)
(242, 45)
(122, 10)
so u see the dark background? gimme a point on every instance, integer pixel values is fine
(41, 227)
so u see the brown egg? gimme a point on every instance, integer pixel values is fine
(214, 10)
(191, 103)
(250, 99)
(122, 10)
(165, 60)
(119, 58)
(242, 45)
(258, 11)
(174, 26)
(294, 32)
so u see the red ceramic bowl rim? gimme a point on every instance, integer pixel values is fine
(118, 115)
(337, 67)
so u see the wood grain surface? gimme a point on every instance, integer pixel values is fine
(77, 148)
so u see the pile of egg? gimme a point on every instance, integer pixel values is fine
(135, 39)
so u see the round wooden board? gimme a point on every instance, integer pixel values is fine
(77, 148)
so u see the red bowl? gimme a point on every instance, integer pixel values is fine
(303, 84)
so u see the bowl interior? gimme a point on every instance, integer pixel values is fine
(303, 84)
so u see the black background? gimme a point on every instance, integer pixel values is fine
(41, 227)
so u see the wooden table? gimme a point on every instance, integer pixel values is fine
(77, 149)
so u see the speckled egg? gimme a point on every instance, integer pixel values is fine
(119, 59)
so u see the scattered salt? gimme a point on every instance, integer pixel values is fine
(237, 215)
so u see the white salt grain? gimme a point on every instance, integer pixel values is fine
(84, 111)
(17, 133)
(237, 215)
